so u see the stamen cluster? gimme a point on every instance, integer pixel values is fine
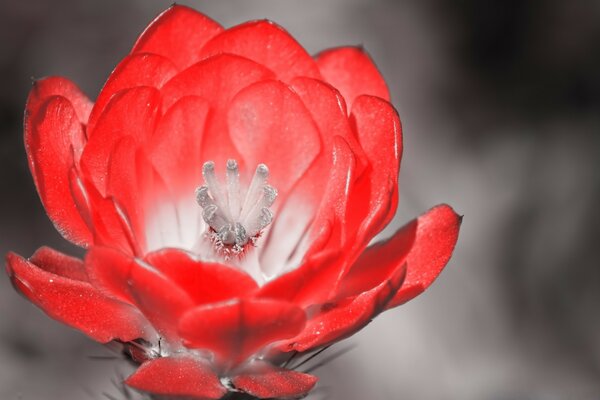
(235, 217)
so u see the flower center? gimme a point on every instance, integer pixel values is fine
(235, 217)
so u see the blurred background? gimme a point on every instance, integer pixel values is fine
(500, 104)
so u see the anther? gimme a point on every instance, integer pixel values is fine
(202, 196)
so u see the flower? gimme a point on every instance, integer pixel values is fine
(225, 186)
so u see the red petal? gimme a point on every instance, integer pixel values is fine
(182, 376)
(424, 244)
(131, 112)
(236, 329)
(109, 271)
(60, 264)
(334, 206)
(266, 381)
(269, 124)
(296, 212)
(76, 303)
(133, 71)
(111, 226)
(216, 80)
(178, 34)
(325, 261)
(204, 282)
(268, 44)
(352, 72)
(175, 147)
(298, 285)
(375, 195)
(160, 299)
(54, 140)
(51, 86)
(130, 183)
(436, 236)
(342, 318)
(328, 109)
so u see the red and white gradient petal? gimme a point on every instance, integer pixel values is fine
(217, 80)
(266, 122)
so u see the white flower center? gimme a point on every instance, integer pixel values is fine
(235, 218)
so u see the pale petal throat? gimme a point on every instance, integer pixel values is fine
(235, 216)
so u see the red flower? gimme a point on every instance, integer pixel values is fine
(169, 181)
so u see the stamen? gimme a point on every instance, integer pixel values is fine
(208, 172)
(260, 215)
(235, 219)
(233, 188)
(253, 194)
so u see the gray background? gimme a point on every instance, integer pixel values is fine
(500, 105)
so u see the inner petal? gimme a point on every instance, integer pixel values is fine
(230, 221)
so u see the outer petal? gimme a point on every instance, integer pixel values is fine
(342, 318)
(60, 264)
(435, 240)
(160, 299)
(204, 282)
(352, 72)
(182, 376)
(131, 112)
(51, 86)
(54, 139)
(265, 381)
(268, 44)
(375, 196)
(236, 329)
(178, 34)
(75, 303)
(109, 270)
(268, 123)
(424, 245)
(133, 71)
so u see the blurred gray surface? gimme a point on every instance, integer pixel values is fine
(500, 107)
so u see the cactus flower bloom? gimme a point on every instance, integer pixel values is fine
(226, 186)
